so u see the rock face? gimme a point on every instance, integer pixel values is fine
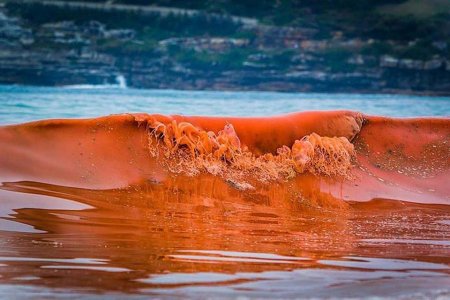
(272, 58)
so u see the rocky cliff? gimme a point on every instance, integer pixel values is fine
(198, 50)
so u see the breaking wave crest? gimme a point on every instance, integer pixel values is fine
(186, 149)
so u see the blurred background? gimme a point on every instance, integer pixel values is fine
(366, 46)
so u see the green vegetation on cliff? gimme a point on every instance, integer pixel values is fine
(303, 42)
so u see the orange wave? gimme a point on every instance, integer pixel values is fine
(322, 158)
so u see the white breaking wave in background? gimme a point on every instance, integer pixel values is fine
(121, 81)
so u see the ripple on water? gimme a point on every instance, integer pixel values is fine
(383, 264)
(213, 256)
(445, 243)
(302, 283)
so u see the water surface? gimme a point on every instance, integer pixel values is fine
(21, 104)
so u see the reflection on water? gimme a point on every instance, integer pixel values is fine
(10, 202)
(71, 242)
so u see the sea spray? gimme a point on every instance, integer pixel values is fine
(186, 149)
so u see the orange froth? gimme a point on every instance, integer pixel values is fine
(186, 149)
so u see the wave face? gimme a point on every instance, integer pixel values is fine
(320, 158)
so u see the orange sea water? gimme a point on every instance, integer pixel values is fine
(82, 213)
(66, 242)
